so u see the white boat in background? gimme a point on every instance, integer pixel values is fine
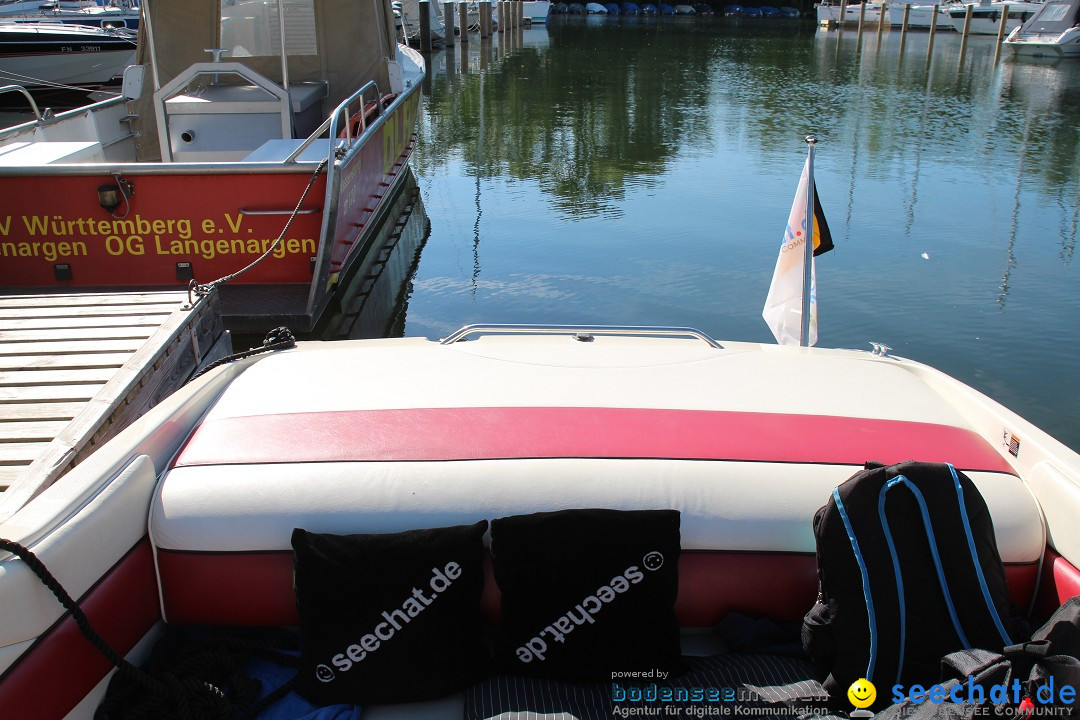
(1054, 32)
(537, 11)
(828, 12)
(921, 14)
(986, 16)
(46, 54)
(118, 13)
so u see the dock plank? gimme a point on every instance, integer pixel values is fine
(69, 311)
(39, 378)
(64, 346)
(141, 332)
(151, 321)
(91, 299)
(21, 453)
(60, 361)
(9, 474)
(49, 393)
(31, 431)
(39, 410)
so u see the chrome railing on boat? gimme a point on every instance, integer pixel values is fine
(26, 94)
(583, 333)
(331, 121)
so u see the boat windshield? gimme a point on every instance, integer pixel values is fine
(252, 28)
(1054, 17)
(1053, 12)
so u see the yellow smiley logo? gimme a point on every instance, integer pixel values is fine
(862, 693)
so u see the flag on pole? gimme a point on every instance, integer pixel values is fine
(783, 306)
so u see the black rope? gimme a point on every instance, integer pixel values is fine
(280, 338)
(204, 289)
(201, 680)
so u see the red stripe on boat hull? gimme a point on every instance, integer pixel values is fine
(57, 672)
(549, 432)
(256, 588)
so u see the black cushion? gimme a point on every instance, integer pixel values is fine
(587, 592)
(389, 618)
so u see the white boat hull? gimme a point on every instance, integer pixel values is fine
(920, 16)
(1064, 45)
(987, 21)
(89, 69)
(830, 13)
(536, 10)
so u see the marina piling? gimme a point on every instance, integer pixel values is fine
(1001, 32)
(881, 20)
(485, 19)
(463, 23)
(964, 34)
(448, 22)
(862, 17)
(843, 15)
(425, 26)
(933, 29)
(904, 27)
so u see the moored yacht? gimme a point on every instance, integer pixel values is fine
(1054, 32)
(986, 16)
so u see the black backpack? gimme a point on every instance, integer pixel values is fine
(908, 572)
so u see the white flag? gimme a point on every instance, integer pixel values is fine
(783, 306)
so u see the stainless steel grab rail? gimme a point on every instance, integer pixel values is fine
(331, 122)
(26, 94)
(584, 331)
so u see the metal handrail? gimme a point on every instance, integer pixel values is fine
(583, 330)
(26, 94)
(331, 120)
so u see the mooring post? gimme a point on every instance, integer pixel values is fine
(933, 29)
(425, 26)
(485, 19)
(903, 27)
(463, 22)
(448, 21)
(843, 15)
(862, 16)
(881, 20)
(964, 34)
(1001, 32)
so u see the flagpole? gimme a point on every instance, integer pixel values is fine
(808, 250)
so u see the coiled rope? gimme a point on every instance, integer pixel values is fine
(280, 338)
(205, 681)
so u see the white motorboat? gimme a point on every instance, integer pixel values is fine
(45, 54)
(986, 16)
(118, 14)
(921, 14)
(1054, 32)
(185, 517)
(536, 11)
(828, 12)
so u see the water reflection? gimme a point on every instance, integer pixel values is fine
(637, 173)
(372, 303)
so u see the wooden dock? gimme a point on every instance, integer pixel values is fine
(75, 369)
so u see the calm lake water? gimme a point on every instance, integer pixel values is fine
(612, 171)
